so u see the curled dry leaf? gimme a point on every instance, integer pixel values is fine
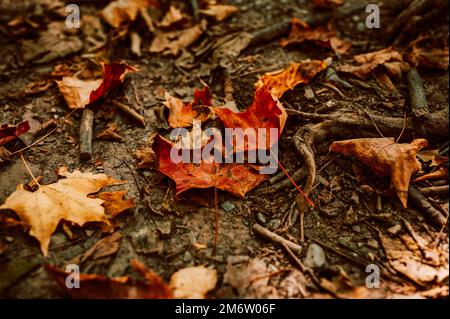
(322, 36)
(385, 157)
(279, 82)
(427, 53)
(266, 112)
(102, 287)
(237, 179)
(172, 42)
(327, 3)
(172, 16)
(183, 115)
(121, 11)
(110, 133)
(9, 133)
(145, 155)
(388, 59)
(56, 42)
(79, 93)
(66, 199)
(105, 247)
(193, 282)
(219, 11)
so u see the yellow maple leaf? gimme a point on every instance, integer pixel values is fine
(66, 199)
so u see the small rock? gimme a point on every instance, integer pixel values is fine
(261, 218)
(372, 243)
(227, 206)
(356, 228)
(9, 239)
(274, 224)
(360, 27)
(395, 229)
(315, 257)
(355, 18)
(187, 257)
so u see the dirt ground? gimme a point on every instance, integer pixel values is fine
(167, 235)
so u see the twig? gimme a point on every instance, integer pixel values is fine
(416, 92)
(309, 272)
(86, 129)
(264, 232)
(418, 200)
(29, 170)
(132, 113)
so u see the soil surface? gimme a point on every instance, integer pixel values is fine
(168, 234)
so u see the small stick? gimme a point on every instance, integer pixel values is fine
(264, 232)
(435, 190)
(86, 128)
(194, 7)
(425, 207)
(416, 91)
(132, 113)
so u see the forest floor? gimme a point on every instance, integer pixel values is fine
(347, 230)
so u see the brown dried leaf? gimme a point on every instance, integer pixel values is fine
(121, 11)
(385, 157)
(101, 287)
(279, 82)
(115, 203)
(219, 11)
(193, 282)
(390, 59)
(323, 36)
(173, 41)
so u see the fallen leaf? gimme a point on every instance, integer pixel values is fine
(193, 282)
(145, 155)
(431, 156)
(322, 36)
(110, 133)
(219, 11)
(279, 82)
(172, 42)
(428, 53)
(388, 59)
(172, 16)
(183, 115)
(80, 93)
(385, 157)
(56, 42)
(66, 199)
(121, 11)
(115, 203)
(441, 173)
(410, 263)
(265, 112)
(102, 287)
(9, 133)
(237, 179)
(105, 247)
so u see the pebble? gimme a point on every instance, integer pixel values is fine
(227, 206)
(360, 27)
(373, 243)
(261, 218)
(356, 228)
(315, 257)
(187, 257)
(9, 239)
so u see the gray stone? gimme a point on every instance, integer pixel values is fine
(261, 218)
(227, 206)
(315, 257)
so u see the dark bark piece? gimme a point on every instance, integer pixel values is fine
(435, 190)
(86, 129)
(431, 213)
(127, 110)
(417, 95)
